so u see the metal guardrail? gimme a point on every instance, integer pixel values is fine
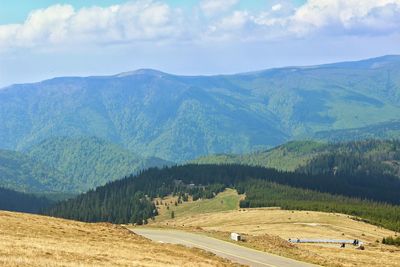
(355, 242)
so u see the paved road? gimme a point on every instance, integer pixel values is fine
(224, 249)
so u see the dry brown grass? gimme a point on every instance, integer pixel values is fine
(31, 240)
(268, 230)
(286, 224)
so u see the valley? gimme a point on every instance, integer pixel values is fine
(200, 133)
(314, 191)
(296, 152)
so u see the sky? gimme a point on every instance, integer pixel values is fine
(42, 39)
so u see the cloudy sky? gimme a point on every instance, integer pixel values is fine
(46, 38)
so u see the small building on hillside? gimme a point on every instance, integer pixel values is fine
(236, 236)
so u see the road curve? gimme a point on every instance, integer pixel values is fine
(221, 248)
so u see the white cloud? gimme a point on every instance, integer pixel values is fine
(156, 21)
(346, 16)
(235, 21)
(324, 17)
(229, 27)
(48, 23)
(60, 24)
(276, 7)
(213, 7)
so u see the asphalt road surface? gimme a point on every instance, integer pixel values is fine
(221, 248)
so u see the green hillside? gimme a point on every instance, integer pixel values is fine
(224, 201)
(384, 130)
(22, 173)
(369, 156)
(69, 165)
(89, 162)
(287, 157)
(180, 118)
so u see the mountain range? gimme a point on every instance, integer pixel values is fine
(179, 118)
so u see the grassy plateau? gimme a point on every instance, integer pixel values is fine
(268, 229)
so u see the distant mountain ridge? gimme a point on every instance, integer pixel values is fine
(180, 118)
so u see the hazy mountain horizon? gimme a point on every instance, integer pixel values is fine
(154, 71)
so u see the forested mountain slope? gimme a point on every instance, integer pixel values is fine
(180, 117)
(368, 157)
(286, 157)
(69, 165)
(90, 162)
(384, 130)
(22, 173)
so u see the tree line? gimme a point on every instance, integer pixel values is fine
(21, 202)
(130, 200)
(261, 193)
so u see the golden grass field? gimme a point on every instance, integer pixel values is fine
(31, 240)
(268, 229)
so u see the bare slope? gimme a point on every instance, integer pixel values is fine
(29, 240)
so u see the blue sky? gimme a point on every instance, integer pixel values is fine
(14, 11)
(45, 38)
